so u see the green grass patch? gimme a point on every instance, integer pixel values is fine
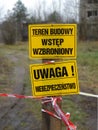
(6, 68)
(77, 114)
(88, 65)
(87, 60)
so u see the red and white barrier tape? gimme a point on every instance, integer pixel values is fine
(60, 114)
(17, 96)
(32, 97)
(51, 114)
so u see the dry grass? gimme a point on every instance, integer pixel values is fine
(88, 66)
(87, 61)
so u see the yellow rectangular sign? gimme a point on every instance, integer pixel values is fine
(52, 41)
(54, 79)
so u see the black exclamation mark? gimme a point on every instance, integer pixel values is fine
(72, 68)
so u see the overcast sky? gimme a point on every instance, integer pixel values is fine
(34, 4)
(8, 4)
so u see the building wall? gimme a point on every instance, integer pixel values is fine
(89, 19)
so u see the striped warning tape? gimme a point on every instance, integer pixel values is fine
(59, 113)
(32, 97)
(17, 96)
(64, 116)
(51, 113)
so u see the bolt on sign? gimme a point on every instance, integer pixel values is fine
(52, 41)
(54, 79)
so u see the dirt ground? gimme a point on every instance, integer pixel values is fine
(15, 113)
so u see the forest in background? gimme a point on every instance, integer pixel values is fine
(16, 20)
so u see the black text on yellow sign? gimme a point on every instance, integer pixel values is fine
(52, 41)
(54, 79)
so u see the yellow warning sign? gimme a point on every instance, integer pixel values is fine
(54, 79)
(52, 41)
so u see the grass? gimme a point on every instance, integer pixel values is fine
(88, 65)
(87, 61)
(6, 68)
(35, 105)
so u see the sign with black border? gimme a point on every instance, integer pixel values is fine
(49, 41)
(60, 78)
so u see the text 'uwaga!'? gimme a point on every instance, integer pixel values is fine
(46, 73)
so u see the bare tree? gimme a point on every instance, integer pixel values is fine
(19, 15)
(1, 13)
(8, 29)
(71, 10)
(39, 10)
(0, 22)
(44, 10)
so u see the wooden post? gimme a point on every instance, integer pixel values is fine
(49, 122)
